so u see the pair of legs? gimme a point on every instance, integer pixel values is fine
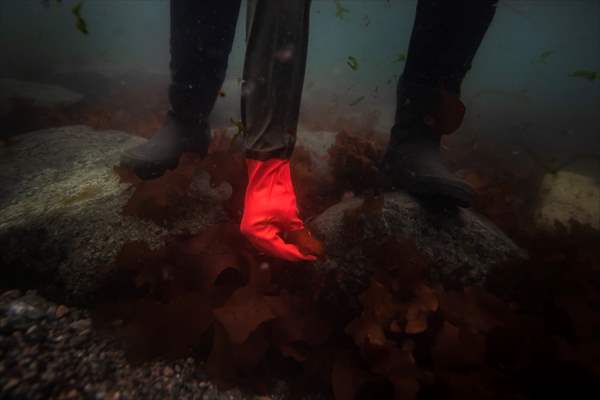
(202, 34)
(445, 38)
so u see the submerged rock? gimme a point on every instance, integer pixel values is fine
(569, 196)
(38, 94)
(462, 247)
(62, 221)
(61, 209)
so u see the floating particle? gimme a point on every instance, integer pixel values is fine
(585, 74)
(340, 10)
(401, 57)
(355, 102)
(352, 63)
(366, 21)
(80, 23)
(286, 54)
(46, 3)
(543, 58)
(222, 93)
(239, 125)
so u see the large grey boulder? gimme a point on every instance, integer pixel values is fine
(61, 208)
(570, 195)
(62, 221)
(462, 247)
(38, 94)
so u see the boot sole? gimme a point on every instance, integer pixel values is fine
(457, 193)
(435, 190)
(147, 170)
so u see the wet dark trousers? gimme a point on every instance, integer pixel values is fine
(445, 38)
(202, 34)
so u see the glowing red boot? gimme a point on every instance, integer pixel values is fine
(270, 209)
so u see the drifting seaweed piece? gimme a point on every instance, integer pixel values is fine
(81, 26)
(80, 23)
(76, 10)
(241, 129)
(238, 124)
(355, 102)
(366, 21)
(401, 57)
(375, 92)
(340, 10)
(352, 63)
(543, 58)
(585, 74)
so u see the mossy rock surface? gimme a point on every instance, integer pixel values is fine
(61, 210)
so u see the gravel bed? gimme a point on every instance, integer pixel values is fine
(52, 351)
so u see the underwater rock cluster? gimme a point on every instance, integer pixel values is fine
(462, 247)
(49, 350)
(37, 94)
(568, 196)
(62, 221)
(61, 210)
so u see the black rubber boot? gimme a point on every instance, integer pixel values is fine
(413, 161)
(151, 160)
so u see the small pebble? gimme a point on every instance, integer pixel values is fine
(31, 330)
(43, 345)
(11, 294)
(20, 310)
(11, 384)
(61, 311)
(48, 376)
(82, 324)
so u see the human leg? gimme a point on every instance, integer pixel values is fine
(271, 93)
(202, 34)
(444, 41)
